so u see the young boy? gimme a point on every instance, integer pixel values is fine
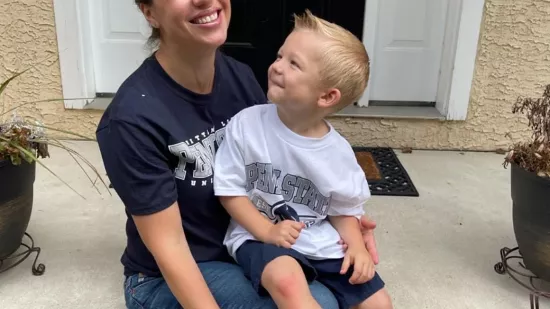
(282, 170)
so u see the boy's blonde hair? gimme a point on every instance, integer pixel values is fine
(345, 62)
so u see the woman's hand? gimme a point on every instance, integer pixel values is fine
(367, 229)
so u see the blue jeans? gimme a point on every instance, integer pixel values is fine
(231, 289)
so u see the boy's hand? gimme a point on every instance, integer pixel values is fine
(284, 233)
(367, 229)
(363, 267)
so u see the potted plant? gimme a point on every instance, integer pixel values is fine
(22, 145)
(530, 185)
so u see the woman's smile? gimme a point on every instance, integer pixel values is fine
(207, 17)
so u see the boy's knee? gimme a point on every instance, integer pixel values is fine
(379, 300)
(283, 276)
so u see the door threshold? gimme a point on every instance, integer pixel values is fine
(401, 103)
(99, 103)
(395, 112)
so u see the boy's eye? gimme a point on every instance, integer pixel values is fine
(294, 64)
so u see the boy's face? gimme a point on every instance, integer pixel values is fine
(294, 80)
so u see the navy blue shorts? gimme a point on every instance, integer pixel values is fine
(253, 256)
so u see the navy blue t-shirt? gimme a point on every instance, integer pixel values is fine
(158, 142)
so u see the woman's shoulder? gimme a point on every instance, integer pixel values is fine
(134, 97)
(128, 104)
(239, 77)
(233, 65)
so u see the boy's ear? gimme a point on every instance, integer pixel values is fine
(330, 98)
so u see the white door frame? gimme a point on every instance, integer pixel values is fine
(75, 51)
(459, 54)
(457, 68)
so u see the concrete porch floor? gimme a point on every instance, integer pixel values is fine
(437, 250)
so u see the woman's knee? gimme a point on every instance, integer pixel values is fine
(323, 295)
(379, 300)
(231, 288)
(225, 280)
(148, 292)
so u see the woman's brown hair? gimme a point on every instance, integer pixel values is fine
(155, 35)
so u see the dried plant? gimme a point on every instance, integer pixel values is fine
(533, 155)
(24, 141)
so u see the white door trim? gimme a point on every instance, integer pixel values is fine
(456, 99)
(78, 81)
(75, 58)
(459, 54)
(369, 38)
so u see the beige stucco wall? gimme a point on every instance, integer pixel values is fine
(27, 36)
(513, 59)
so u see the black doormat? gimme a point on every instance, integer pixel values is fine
(384, 172)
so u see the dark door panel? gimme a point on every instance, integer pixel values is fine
(254, 34)
(258, 27)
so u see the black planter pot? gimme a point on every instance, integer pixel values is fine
(16, 198)
(531, 216)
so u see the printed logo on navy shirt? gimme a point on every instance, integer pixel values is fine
(199, 152)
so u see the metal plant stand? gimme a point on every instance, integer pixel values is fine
(19, 256)
(525, 279)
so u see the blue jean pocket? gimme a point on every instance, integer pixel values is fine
(138, 288)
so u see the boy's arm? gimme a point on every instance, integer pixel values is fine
(241, 209)
(282, 234)
(346, 211)
(356, 254)
(349, 229)
(230, 182)
(349, 199)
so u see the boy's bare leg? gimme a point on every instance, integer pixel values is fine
(379, 300)
(285, 281)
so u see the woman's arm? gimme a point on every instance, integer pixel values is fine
(162, 233)
(141, 175)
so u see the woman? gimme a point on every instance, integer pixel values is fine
(158, 139)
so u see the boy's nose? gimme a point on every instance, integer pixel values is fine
(277, 67)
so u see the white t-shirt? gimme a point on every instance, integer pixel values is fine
(262, 159)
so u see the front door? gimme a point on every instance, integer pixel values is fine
(407, 49)
(257, 30)
(118, 34)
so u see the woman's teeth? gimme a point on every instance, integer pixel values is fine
(206, 19)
